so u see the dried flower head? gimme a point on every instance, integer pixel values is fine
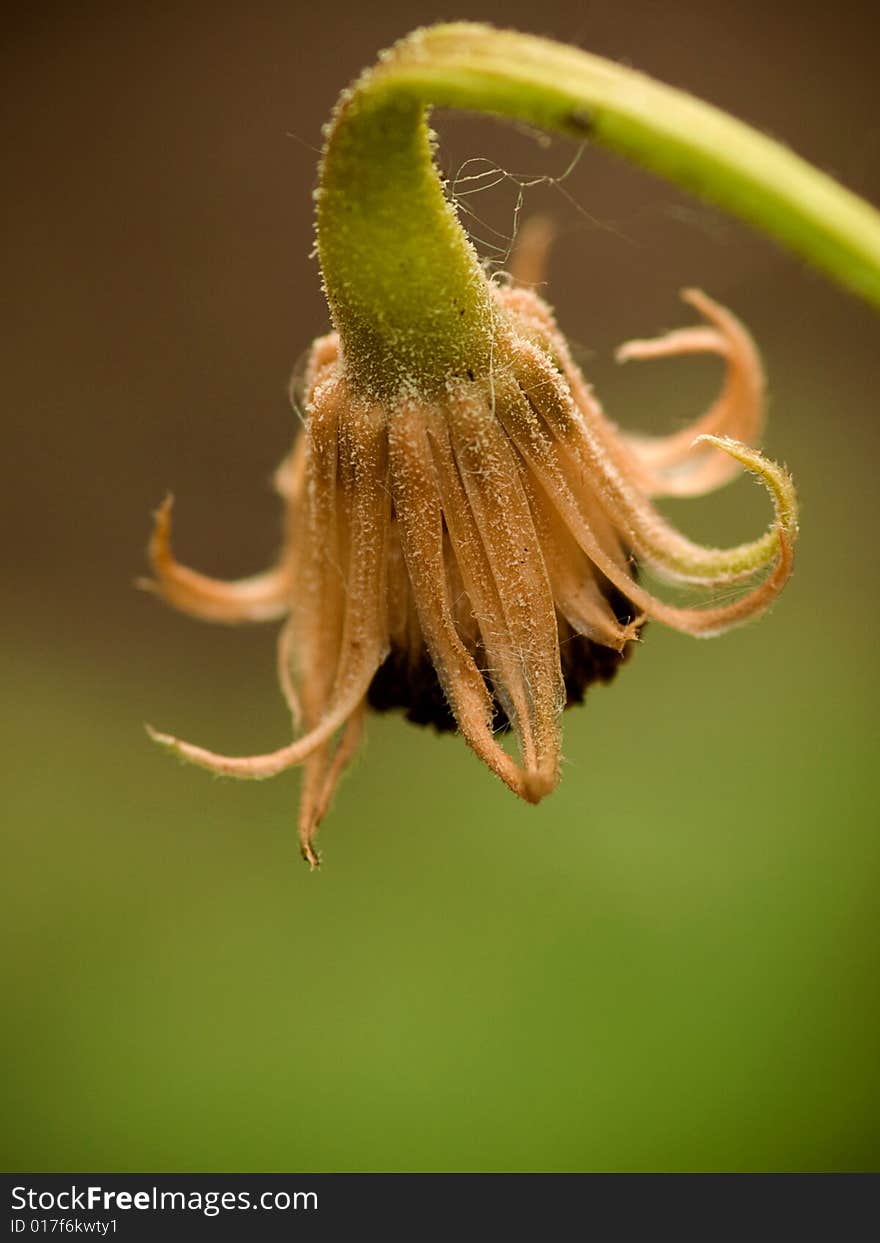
(462, 540)
(472, 559)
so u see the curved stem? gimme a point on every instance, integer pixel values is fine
(404, 284)
(405, 287)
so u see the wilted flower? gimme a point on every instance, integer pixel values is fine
(470, 557)
(464, 524)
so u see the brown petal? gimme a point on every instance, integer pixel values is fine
(672, 466)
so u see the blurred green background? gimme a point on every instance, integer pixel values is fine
(673, 963)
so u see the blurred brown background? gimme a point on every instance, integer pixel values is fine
(168, 954)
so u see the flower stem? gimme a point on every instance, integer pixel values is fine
(403, 283)
(405, 287)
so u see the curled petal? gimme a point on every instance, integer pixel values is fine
(656, 542)
(778, 481)
(364, 631)
(259, 767)
(260, 598)
(540, 453)
(671, 468)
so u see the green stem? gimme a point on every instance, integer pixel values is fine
(405, 288)
(403, 283)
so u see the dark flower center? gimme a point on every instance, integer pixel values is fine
(407, 679)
